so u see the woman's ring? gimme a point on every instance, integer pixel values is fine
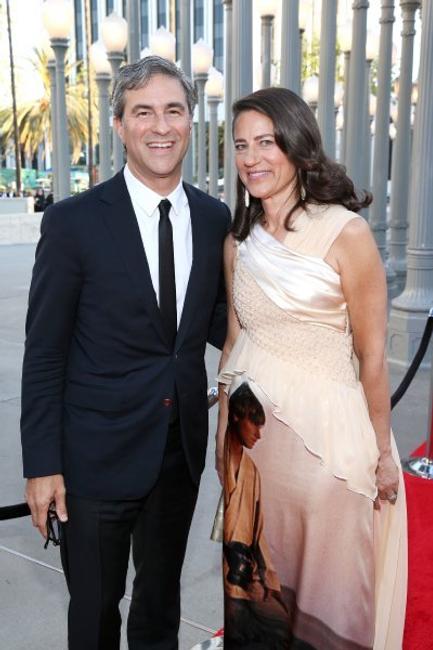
(393, 497)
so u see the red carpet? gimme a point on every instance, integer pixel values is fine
(418, 633)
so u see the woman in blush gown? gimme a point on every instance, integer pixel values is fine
(315, 541)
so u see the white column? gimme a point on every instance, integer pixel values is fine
(228, 146)
(133, 20)
(326, 112)
(345, 105)
(54, 150)
(242, 48)
(60, 45)
(185, 60)
(381, 136)
(409, 310)
(402, 152)
(115, 59)
(242, 70)
(290, 58)
(103, 82)
(356, 91)
(267, 24)
(200, 80)
(213, 103)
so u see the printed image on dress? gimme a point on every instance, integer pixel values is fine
(255, 616)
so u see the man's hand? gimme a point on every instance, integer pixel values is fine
(40, 493)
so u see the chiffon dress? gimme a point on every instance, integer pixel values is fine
(337, 565)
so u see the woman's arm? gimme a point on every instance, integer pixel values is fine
(356, 257)
(233, 329)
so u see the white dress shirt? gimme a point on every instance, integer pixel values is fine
(145, 203)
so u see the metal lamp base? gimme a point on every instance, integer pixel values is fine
(420, 466)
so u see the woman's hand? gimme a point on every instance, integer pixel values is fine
(387, 479)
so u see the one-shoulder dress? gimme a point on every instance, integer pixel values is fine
(308, 562)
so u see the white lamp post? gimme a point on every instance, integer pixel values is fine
(214, 89)
(51, 65)
(202, 56)
(163, 43)
(114, 32)
(346, 46)
(303, 20)
(268, 9)
(102, 68)
(310, 91)
(57, 18)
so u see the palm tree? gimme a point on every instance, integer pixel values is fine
(34, 117)
(14, 103)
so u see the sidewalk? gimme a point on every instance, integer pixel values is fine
(32, 591)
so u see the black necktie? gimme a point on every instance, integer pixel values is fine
(167, 280)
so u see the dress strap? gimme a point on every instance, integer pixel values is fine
(337, 231)
(326, 224)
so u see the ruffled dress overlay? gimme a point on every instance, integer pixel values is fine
(338, 566)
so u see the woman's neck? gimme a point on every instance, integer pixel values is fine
(275, 211)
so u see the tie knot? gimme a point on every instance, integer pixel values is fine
(164, 208)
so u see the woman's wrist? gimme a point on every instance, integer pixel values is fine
(385, 452)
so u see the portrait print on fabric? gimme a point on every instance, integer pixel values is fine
(253, 604)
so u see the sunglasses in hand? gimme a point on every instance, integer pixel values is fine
(53, 528)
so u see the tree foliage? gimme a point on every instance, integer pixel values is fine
(34, 117)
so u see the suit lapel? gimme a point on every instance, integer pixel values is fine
(120, 219)
(196, 209)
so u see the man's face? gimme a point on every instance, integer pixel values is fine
(248, 432)
(155, 129)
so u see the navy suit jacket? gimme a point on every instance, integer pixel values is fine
(98, 371)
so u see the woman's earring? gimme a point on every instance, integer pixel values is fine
(302, 193)
(246, 198)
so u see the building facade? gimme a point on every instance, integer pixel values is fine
(207, 22)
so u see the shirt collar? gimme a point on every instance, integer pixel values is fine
(148, 200)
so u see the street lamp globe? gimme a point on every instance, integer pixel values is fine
(304, 15)
(202, 56)
(346, 38)
(215, 84)
(267, 7)
(372, 45)
(372, 105)
(339, 122)
(310, 89)
(392, 131)
(414, 94)
(114, 32)
(338, 94)
(394, 112)
(163, 44)
(98, 58)
(57, 17)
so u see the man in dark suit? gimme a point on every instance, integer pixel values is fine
(126, 290)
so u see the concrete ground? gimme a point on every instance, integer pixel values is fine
(33, 596)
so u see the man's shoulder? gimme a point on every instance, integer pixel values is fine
(79, 207)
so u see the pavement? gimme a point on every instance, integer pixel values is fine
(33, 596)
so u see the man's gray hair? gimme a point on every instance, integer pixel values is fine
(138, 75)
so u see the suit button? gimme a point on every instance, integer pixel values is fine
(167, 401)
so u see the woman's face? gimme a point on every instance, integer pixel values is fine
(263, 168)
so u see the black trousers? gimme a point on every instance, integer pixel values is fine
(95, 553)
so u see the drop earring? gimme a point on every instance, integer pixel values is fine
(302, 193)
(246, 198)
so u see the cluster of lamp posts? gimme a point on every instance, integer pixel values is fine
(348, 116)
(106, 57)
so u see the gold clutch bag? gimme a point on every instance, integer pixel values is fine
(218, 524)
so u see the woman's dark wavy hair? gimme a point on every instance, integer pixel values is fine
(297, 135)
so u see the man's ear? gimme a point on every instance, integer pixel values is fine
(118, 125)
